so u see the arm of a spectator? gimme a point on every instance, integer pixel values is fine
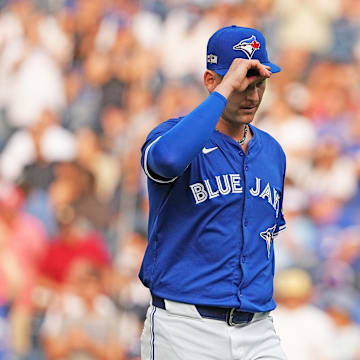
(63, 346)
(56, 347)
(110, 350)
(171, 153)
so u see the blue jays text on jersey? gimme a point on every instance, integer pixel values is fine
(211, 229)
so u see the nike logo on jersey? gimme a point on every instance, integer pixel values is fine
(206, 151)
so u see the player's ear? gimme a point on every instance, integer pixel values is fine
(211, 80)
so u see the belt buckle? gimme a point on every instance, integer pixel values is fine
(230, 316)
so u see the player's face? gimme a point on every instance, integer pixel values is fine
(242, 106)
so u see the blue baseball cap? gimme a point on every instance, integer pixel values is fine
(232, 42)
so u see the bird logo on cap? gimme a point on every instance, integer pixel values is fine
(248, 46)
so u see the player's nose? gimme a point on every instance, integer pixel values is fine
(252, 95)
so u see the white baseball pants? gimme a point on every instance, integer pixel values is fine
(180, 333)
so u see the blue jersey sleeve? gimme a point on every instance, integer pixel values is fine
(153, 136)
(171, 147)
(281, 224)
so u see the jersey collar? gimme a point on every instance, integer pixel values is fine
(227, 143)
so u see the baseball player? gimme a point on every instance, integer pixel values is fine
(215, 187)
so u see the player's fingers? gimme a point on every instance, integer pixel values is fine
(256, 77)
(263, 70)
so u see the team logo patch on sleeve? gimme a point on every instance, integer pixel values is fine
(248, 46)
(268, 236)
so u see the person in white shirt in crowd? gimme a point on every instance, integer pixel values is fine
(306, 332)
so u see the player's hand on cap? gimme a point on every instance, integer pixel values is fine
(241, 74)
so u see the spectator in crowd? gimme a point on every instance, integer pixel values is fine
(32, 64)
(340, 307)
(303, 329)
(22, 246)
(83, 322)
(317, 15)
(331, 181)
(72, 243)
(45, 141)
(299, 246)
(81, 195)
(101, 165)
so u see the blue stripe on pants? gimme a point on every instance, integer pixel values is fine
(152, 340)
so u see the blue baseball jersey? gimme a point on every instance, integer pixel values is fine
(211, 229)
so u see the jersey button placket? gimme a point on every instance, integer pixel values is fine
(244, 221)
(246, 168)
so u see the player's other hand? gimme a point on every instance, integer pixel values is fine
(241, 74)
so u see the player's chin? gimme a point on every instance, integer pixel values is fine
(246, 117)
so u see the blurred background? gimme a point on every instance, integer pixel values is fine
(81, 84)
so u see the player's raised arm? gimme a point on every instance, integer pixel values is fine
(172, 153)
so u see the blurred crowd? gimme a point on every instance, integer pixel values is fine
(81, 84)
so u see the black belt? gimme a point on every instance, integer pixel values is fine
(230, 315)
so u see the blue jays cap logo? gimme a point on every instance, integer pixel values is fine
(248, 46)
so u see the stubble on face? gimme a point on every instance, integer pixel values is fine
(242, 106)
